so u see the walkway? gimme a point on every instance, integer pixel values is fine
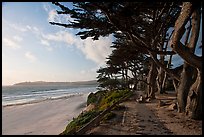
(136, 119)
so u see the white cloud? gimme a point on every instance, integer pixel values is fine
(46, 7)
(18, 27)
(52, 14)
(35, 29)
(10, 43)
(96, 51)
(54, 17)
(28, 27)
(30, 56)
(25, 28)
(18, 38)
(45, 42)
(61, 36)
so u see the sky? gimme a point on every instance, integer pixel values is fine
(34, 50)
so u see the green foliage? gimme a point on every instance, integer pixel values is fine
(94, 98)
(112, 97)
(109, 83)
(103, 100)
(78, 122)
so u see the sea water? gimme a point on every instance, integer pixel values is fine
(16, 94)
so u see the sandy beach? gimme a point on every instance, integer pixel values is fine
(48, 117)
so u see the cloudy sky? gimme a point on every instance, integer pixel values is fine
(33, 50)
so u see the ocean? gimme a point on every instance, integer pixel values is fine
(18, 94)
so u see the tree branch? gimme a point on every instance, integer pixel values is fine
(195, 30)
(170, 72)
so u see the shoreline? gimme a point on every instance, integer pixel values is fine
(42, 100)
(48, 117)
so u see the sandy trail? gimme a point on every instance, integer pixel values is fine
(147, 119)
(44, 118)
(137, 119)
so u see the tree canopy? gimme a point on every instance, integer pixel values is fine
(141, 31)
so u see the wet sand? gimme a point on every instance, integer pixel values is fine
(48, 117)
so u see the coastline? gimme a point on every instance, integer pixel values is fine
(41, 100)
(47, 117)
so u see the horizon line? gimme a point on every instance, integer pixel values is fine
(47, 82)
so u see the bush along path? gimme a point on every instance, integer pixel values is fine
(101, 103)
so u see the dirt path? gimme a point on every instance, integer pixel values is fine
(136, 119)
(147, 119)
(178, 123)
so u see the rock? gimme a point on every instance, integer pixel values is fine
(172, 106)
(89, 108)
(148, 100)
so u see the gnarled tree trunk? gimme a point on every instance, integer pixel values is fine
(194, 100)
(184, 87)
(151, 87)
(185, 81)
(160, 77)
(165, 74)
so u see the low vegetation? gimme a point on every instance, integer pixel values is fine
(78, 122)
(102, 100)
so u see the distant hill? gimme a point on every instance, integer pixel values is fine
(39, 83)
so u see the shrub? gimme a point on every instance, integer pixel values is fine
(103, 99)
(92, 99)
(113, 97)
(80, 121)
